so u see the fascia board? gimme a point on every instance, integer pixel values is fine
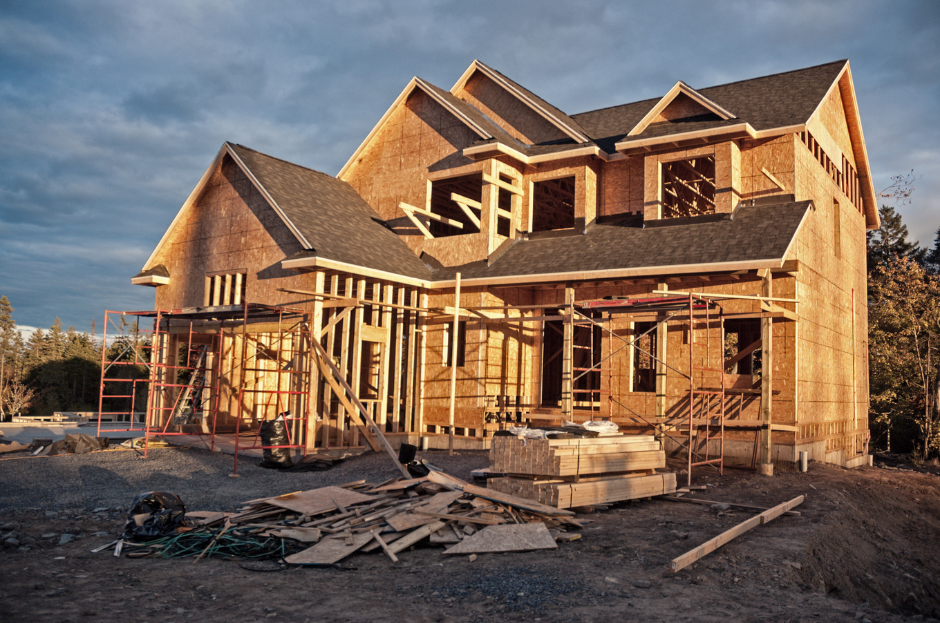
(685, 136)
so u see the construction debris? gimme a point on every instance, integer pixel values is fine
(323, 526)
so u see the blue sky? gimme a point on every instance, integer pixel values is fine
(111, 111)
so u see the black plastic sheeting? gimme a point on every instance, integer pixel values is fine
(166, 512)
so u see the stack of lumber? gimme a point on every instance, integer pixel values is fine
(323, 526)
(566, 473)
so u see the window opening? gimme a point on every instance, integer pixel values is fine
(739, 336)
(553, 204)
(457, 199)
(225, 288)
(461, 343)
(689, 187)
(504, 213)
(644, 366)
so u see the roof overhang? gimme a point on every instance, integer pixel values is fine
(494, 149)
(680, 88)
(508, 85)
(730, 132)
(150, 280)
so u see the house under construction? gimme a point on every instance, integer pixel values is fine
(691, 266)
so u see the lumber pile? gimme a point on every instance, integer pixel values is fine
(322, 526)
(567, 473)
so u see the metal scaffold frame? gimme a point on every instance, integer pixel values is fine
(185, 352)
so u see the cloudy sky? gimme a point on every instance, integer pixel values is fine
(110, 111)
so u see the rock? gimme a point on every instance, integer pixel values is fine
(66, 538)
(52, 514)
(101, 509)
(49, 535)
(11, 542)
(642, 584)
(720, 507)
(612, 580)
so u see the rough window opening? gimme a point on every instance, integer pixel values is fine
(225, 288)
(461, 344)
(468, 187)
(689, 187)
(553, 204)
(644, 366)
(739, 336)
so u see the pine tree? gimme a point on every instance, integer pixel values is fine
(933, 258)
(891, 239)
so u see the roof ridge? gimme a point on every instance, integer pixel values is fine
(299, 166)
(714, 86)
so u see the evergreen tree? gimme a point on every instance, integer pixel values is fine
(891, 239)
(933, 257)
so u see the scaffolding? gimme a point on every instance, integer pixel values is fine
(704, 421)
(209, 371)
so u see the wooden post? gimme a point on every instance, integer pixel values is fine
(765, 464)
(344, 365)
(397, 362)
(383, 383)
(411, 383)
(314, 407)
(327, 390)
(355, 370)
(422, 362)
(453, 367)
(567, 370)
(661, 352)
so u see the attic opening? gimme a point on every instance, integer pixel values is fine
(688, 187)
(225, 288)
(457, 199)
(553, 204)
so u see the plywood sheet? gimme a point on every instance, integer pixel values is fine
(437, 504)
(506, 538)
(329, 551)
(319, 500)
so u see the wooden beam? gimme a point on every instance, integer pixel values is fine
(397, 364)
(337, 376)
(330, 343)
(489, 179)
(385, 357)
(431, 215)
(711, 545)
(310, 438)
(411, 384)
(334, 321)
(726, 296)
(765, 465)
(417, 223)
(773, 179)
(567, 365)
(744, 352)
(453, 367)
(468, 202)
(341, 395)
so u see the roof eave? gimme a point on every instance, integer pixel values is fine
(679, 88)
(742, 129)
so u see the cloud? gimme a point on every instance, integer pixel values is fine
(111, 111)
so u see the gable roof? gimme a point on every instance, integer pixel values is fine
(680, 88)
(553, 115)
(325, 214)
(470, 116)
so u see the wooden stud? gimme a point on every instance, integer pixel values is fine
(314, 405)
(766, 465)
(453, 367)
(397, 364)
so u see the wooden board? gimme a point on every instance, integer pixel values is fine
(304, 535)
(329, 551)
(414, 536)
(711, 545)
(410, 519)
(319, 500)
(506, 538)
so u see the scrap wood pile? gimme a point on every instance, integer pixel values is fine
(569, 470)
(323, 526)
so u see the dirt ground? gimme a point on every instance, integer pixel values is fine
(866, 547)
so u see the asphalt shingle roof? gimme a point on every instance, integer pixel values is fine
(331, 215)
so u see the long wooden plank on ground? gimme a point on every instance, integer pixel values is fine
(746, 507)
(319, 500)
(329, 551)
(506, 538)
(711, 545)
